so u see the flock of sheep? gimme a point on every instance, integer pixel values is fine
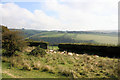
(64, 53)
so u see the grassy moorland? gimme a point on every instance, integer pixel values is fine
(57, 64)
(8, 72)
(21, 61)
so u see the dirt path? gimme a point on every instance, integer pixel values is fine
(7, 72)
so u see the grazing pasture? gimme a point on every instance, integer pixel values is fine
(56, 64)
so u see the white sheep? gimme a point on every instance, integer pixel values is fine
(77, 54)
(51, 50)
(70, 54)
(96, 55)
(55, 52)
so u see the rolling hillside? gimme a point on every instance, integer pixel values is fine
(55, 37)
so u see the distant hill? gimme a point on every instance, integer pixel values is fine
(55, 37)
(105, 31)
(28, 32)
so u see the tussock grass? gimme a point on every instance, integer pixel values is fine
(82, 66)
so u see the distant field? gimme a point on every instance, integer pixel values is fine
(98, 38)
(53, 47)
(56, 37)
(48, 34)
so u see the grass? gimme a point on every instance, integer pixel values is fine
(48, 34)
(53, 47)
(5, 75)
(9, 72)
(60, 65)
(99, 38)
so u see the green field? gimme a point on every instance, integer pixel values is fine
(57, 37)
(53, 47)
(98, 38)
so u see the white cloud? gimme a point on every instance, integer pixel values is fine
(86, 14)
(72, 15)
(15, 17)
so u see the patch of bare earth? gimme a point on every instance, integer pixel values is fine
(7, 72)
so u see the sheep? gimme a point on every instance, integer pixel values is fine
(70, 54)
(55, 52)
(77, 54)
(51, 50)
(96, 55)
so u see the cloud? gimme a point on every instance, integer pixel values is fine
(15, 17)
(71, 15)
(85, 14)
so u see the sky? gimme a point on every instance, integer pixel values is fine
(74, 15)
